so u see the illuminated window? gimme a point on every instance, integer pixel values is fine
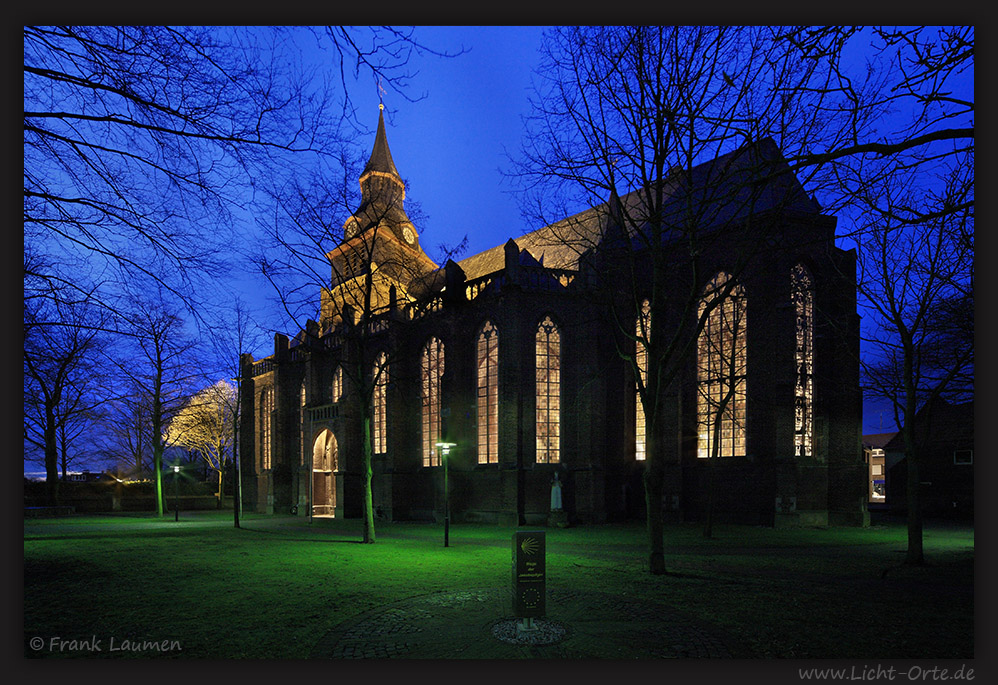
(337, 384)
(432, 370)
(301, 422)
(379, 419)
(803, 298)
(643, 333)
(721, 372)
(266, 414)
(488, 394)
(548, 390)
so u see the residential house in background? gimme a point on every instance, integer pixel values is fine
(944, 436)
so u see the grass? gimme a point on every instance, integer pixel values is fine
(272, 588)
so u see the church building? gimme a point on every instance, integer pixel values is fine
(532, 368)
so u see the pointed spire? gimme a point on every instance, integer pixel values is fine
(381, 157)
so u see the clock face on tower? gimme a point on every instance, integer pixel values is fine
(350, 227)
(408, 235)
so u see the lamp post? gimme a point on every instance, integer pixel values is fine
(444, 451)
(176, 493)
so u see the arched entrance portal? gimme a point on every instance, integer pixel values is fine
(324, 456)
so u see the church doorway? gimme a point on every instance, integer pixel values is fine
(324, 458)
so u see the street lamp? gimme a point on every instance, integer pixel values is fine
(176, 493)
(445, 450)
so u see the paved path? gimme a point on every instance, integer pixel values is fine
(478, 624)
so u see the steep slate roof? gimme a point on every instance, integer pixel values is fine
(727, 189)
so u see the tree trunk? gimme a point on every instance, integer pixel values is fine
(715, 447)
(63, 452)
(708, 525)
(51, 458)
(157, 462)
(237, 484)
(221, 485)
(914, 555)
(653, 478)
(368, 496)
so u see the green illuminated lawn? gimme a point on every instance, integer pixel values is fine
(274, 587)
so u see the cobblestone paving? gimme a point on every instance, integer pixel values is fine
(460, 625)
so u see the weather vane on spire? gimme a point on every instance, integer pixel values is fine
(381, 93)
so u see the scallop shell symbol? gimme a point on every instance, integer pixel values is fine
(529, 545)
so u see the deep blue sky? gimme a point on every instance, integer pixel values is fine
(450, 145)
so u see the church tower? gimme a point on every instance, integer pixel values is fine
(380, 246)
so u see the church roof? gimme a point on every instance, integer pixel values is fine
(381, 157)
(751, 179)
(557, 246)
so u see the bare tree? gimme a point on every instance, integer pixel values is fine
(906, 95)
(161, 370)
(232, 335)
(59, 351)
(204, 426)
(143, 144)
(904, 179)
(126, 434)
(917, 281)
(627, 119)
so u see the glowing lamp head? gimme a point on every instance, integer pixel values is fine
(445, 447)
(176, 469)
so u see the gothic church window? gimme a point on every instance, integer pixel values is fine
(432, 371)
(802, 293)
(643, 333)
(337, 384)
(721, 371)
(379, 405)
(266, 413)
(488, 394)
(301, 422)
(548, 392)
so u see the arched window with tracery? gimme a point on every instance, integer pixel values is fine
(642, 331)
(548, 392)
(432, 371)
(721, 370)
(379, 405)
(487, 353)
(266, 416)
(802, 294)
(337, 385)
